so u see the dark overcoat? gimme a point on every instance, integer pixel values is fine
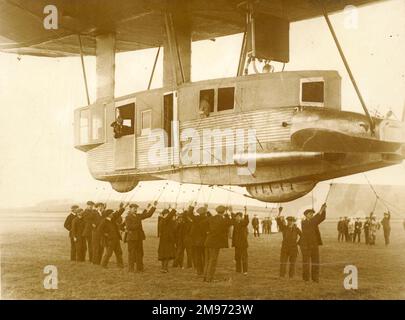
(167, 238)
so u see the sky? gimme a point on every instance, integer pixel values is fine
(38, 96)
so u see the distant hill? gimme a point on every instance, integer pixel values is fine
(342, 199)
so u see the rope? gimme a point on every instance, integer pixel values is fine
(384, 202)
(161, 192)
(371, 186)
(178, 193)
(198, 194)
(210, 193)
(133, 194)
(327, 195)
(375, 205)
(229, 197)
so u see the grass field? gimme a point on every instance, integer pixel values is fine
(29, 243)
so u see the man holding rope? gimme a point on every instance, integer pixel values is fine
(310, 241)
(136, 235)
(289, 245)
(217, 238)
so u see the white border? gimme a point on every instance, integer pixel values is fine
(309, 103)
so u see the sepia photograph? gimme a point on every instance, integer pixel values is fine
(190, 150)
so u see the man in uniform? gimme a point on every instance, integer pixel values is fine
(310, 241)
(198, 234)
(136, 235)
(341, 229)
(96, 218)
(366, 228)
(77, 235)
(217, 238)
(373, 227)
(183, 241)
(87, 231)
(239, 240)
(68, 227)
(289, 245)
(351, 229)
(255, 225)
(346, 229)
(269, 224)
(357, 230)
(109, 228)
(385, 222)
(264, 226)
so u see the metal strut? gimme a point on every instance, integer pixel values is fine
(342, 55)
(173, 45)
(154, 67)
(84, 69)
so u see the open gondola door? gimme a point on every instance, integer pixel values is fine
(171, 126)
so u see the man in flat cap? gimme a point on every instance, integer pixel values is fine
(109, 228)
(87, 231)
(77, 234)
(357, 230)
(341, 229)
(183, 240)
(167, 239)
(310, 241)
(198, 234)
(68, 227)
(217, 238)
(289, 246)
(366, 228)
(240, 223)
(136, 235)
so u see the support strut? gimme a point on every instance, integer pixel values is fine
(154, 67)
(84, 69)
(342, 55)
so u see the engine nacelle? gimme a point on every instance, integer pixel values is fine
(280, 192)
(124, 186)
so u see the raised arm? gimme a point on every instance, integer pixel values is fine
(120, 211)
(280, 223)
(245, 221)
(190, 211)
(149, 211)
(172, 213)
(320, 216)
(228, 220)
